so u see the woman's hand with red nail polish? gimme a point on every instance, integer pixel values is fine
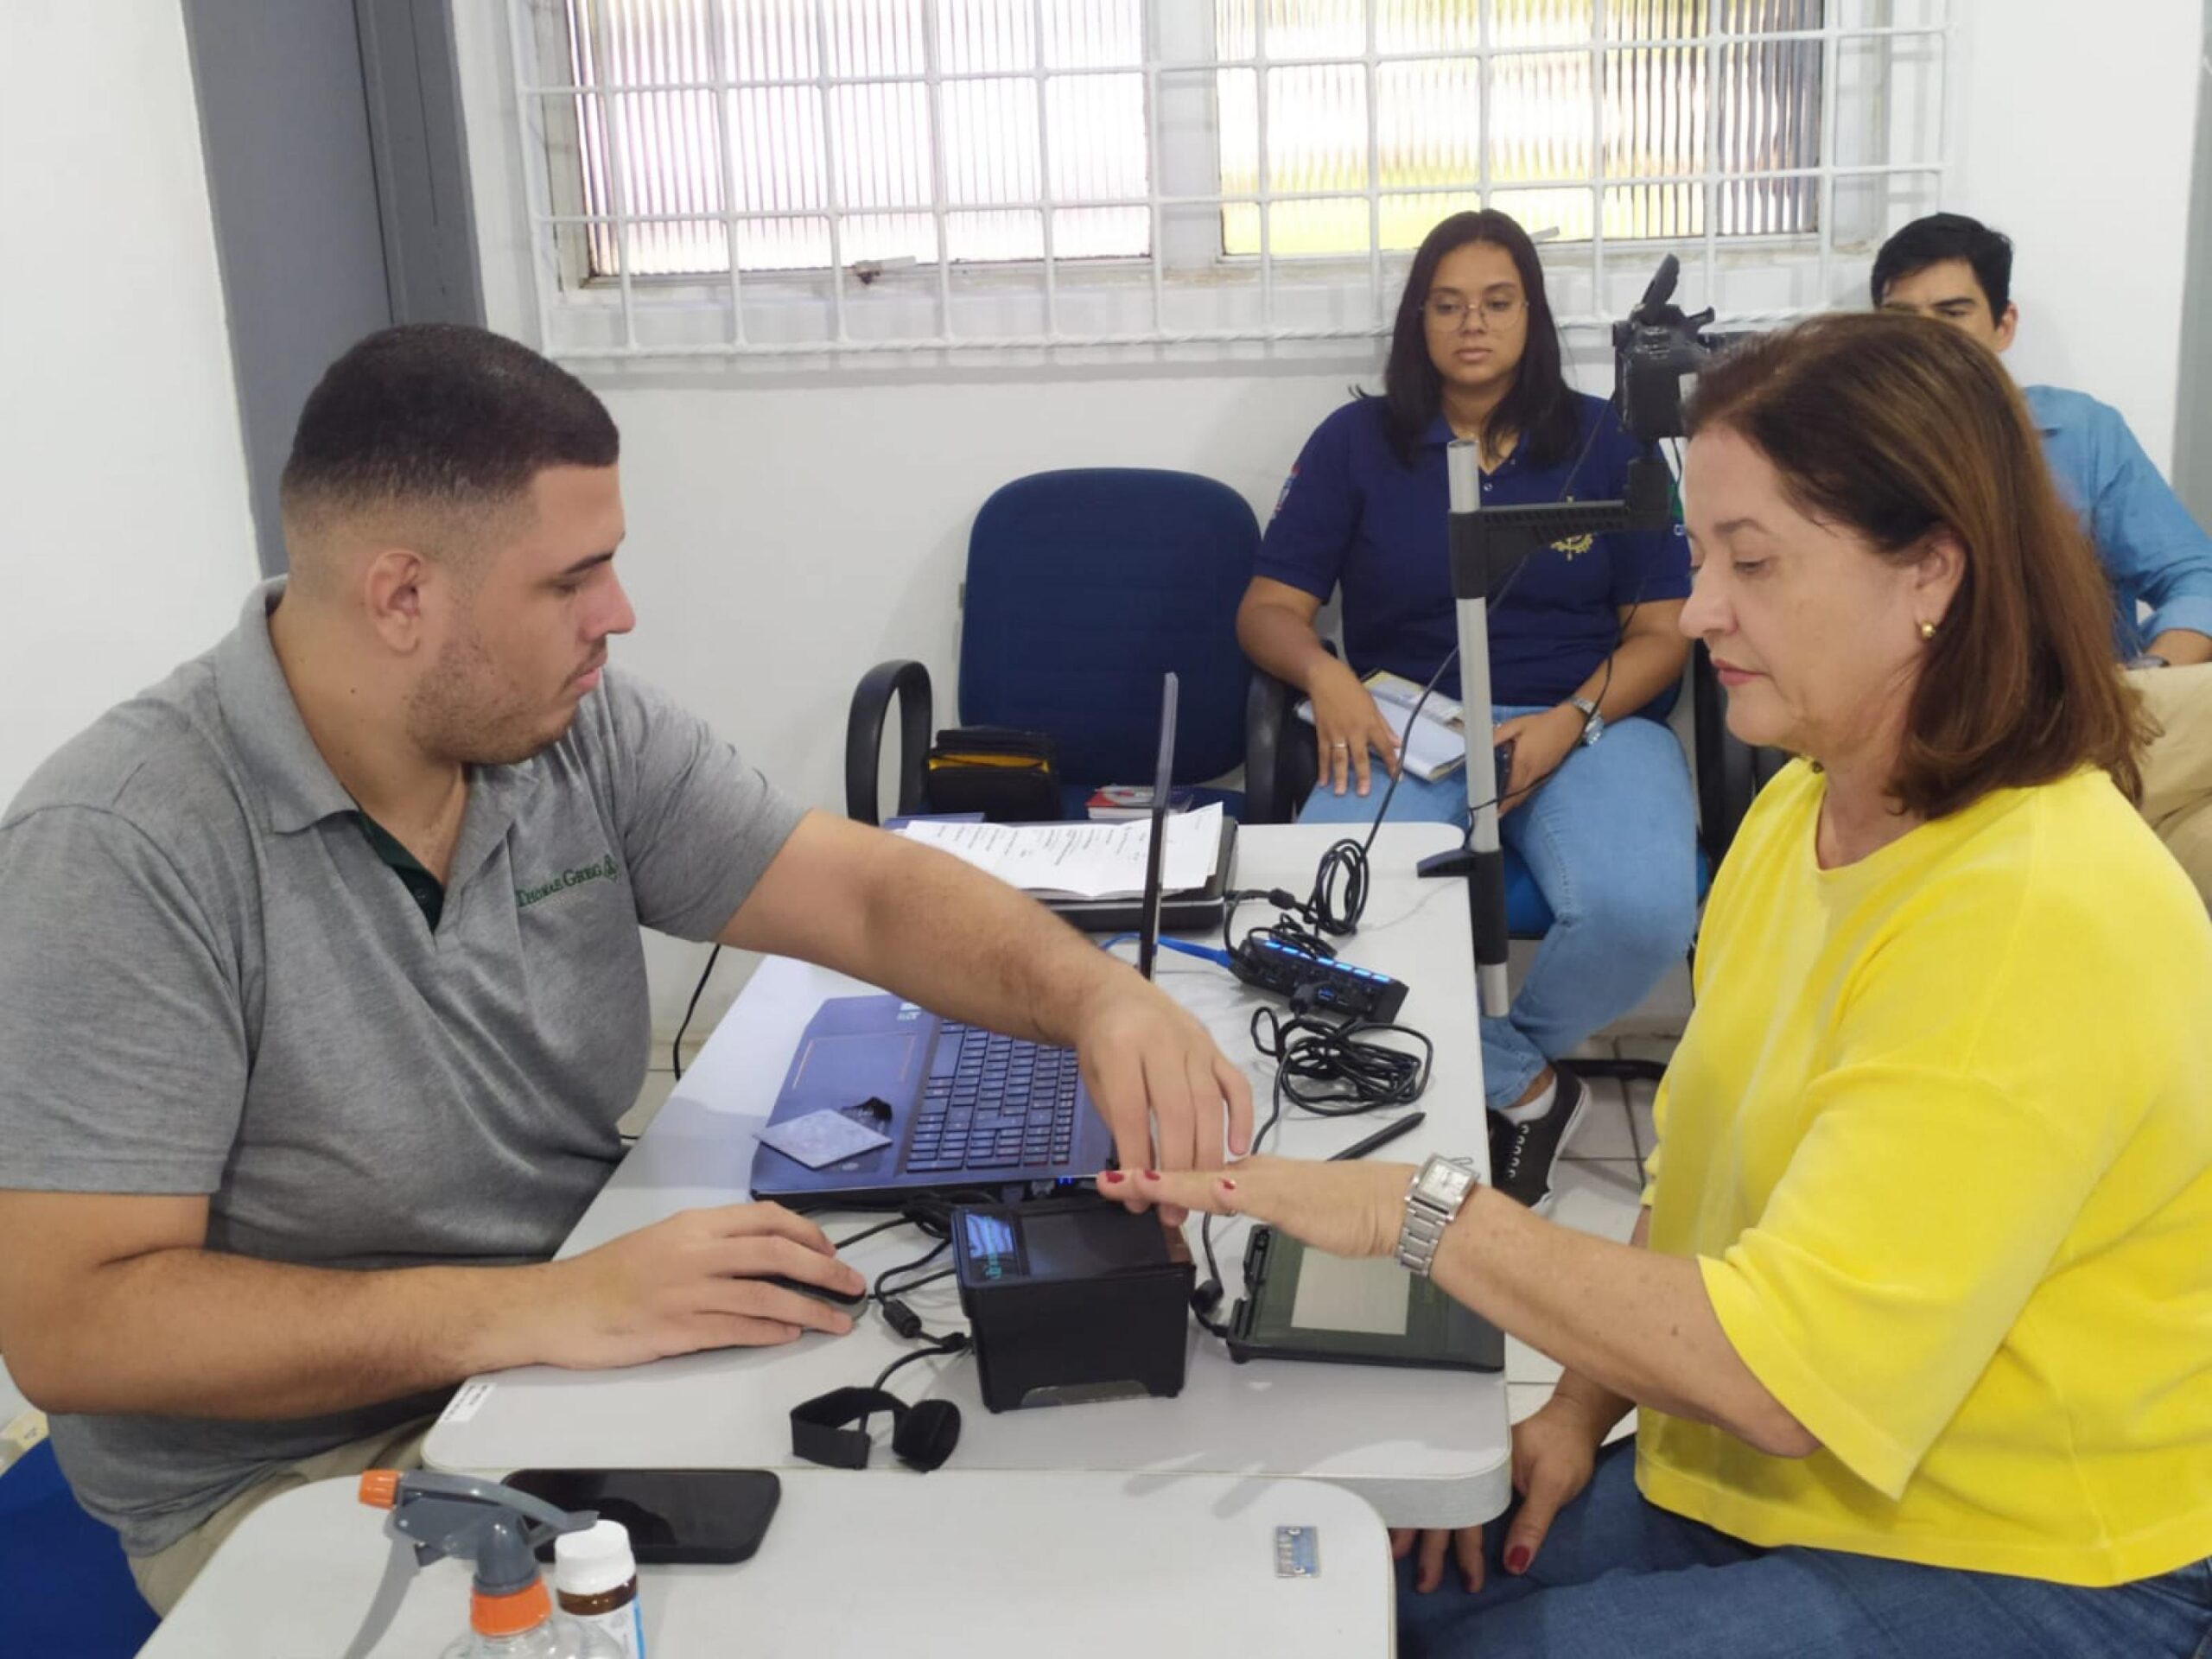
(1340, 1208)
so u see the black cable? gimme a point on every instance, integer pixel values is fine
(870, 1232)
(927, 1278)
(1370, 1076)
(1207, 1297)
(879, 1291)
(956, 1342)
(1339, 1071)
(676, 1047)
(1338, 899)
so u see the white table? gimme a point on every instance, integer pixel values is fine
(873, 1564)
(1423, 1447)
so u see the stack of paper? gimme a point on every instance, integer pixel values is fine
(1081, 860)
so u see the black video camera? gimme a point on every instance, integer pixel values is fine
(1652, 351)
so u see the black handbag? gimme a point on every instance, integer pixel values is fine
(1008, 775)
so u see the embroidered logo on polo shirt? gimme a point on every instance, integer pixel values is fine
(1285, 494)
(1571, 545)
(603, 869)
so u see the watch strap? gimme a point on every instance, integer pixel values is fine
(1438, 1191)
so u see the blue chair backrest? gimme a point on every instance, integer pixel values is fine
(63, 1580)
(1083, 587)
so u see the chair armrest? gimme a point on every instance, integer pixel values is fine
(910, 683)
(1279, 767)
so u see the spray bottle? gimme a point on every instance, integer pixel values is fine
(498, 1529)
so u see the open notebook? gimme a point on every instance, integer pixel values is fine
(1081, 858)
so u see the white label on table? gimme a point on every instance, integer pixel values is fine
(467, 1401)
(1298, 1553)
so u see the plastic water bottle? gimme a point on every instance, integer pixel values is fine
(510, 1616)
(555, 1636)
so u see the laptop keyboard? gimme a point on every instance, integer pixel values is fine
(1008, 1102)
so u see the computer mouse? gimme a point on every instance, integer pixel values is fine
(820, 1292)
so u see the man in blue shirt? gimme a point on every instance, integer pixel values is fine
(1958, 272)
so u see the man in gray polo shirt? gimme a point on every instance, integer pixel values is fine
(321, 990)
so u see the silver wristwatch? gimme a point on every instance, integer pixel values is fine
(1594, 723)
(1438, 1193)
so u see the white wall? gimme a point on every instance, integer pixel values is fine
(787, 532)
(2192, 468)
(2074, 133)
(130, 544)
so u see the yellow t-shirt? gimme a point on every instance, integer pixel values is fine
(1939, 1135)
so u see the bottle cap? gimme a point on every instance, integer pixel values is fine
(594, 1562)
(511, 1613)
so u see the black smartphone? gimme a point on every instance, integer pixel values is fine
(710, 1516)
(1504, 753)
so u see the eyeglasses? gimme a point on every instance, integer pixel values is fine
(1497, 310)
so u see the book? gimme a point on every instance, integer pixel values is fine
(1082, 861)
(1119, 800)
(1438, 744)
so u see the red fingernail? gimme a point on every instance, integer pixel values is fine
(1517, 1560)
(1111, 1176)
(1228, 1186)
(1152, 1174)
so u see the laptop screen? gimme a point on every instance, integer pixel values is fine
(1156, 849)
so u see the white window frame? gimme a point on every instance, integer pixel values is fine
(808, 315)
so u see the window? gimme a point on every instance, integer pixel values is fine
(800, 134)
(1457, 120)
(738, 178)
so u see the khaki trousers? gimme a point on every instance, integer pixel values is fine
(2177, 771)
(164, 1576)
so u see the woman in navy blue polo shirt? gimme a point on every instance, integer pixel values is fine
(1598, 805)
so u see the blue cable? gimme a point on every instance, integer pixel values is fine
(1207, 953)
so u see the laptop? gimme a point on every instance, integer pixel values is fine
(967, 1110)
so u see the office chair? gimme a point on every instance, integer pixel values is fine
(63, 1578)
(1083, 588)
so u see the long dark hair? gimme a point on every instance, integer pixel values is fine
(1540, 408)
(1896, 427)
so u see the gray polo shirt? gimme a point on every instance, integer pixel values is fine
(211, 981)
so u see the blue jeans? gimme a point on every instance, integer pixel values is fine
(1611, 841)
(1617, 1577)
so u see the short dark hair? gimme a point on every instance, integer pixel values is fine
(1541, 408)
(1939, 237)
(442, 415)
(1896, 427)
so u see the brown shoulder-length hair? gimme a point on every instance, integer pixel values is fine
(1896, 427)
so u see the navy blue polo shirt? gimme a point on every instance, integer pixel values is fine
(1352, 514)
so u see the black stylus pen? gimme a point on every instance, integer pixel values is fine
(1381, 1137)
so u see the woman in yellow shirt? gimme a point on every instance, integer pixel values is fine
(1918, 1316)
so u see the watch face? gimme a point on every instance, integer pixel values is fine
(1444, 1181)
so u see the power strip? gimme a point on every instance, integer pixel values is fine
(1319, 984)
